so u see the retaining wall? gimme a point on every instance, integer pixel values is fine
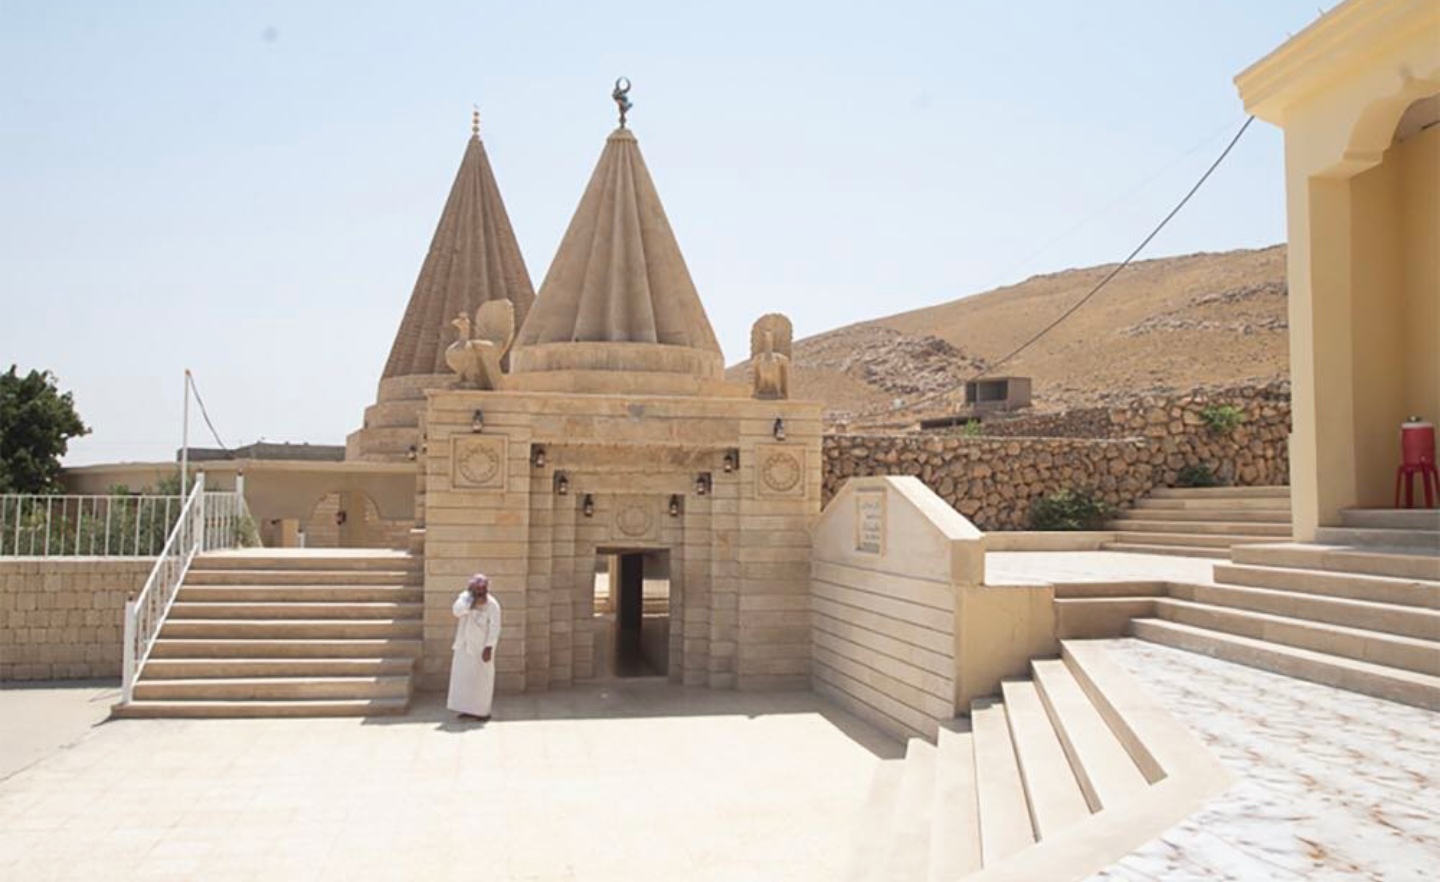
(994, 481)
(62, 618)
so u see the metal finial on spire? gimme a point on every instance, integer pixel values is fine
(475, 120)
(621, 96)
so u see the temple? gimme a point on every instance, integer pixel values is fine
(614, 444)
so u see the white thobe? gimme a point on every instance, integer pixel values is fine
(472, 679)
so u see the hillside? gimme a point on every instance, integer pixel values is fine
(1163, 325)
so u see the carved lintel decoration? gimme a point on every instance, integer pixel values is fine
(480, 462)
(637, 518)
(779, 470)
(770, 340)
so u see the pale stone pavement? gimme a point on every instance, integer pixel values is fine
(634, 781)
(1333, 785)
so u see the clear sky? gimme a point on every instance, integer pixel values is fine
(248, 189)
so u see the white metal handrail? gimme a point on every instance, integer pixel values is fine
(116, 525)
(208, 521)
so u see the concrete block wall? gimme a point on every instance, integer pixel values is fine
(63, 618)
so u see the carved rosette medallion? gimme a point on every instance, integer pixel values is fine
(779, 470)
(479, 463)
(636, 519)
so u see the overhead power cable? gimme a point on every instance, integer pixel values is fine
(1126, 262)
(205, 413)
(1109, 276)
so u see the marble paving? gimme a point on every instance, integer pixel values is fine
(1026, 567)
(642, 780)
(1334, 785)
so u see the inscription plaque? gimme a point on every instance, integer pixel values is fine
(870, 521)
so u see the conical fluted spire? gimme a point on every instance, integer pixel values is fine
(473, 258)
(619, 275)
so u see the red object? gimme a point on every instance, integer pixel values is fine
(1417, 457)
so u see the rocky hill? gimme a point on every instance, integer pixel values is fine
(1161, 326)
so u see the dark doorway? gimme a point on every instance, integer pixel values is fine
(634, 606)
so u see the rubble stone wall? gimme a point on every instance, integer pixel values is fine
(994, 481)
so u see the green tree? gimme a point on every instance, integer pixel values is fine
(37, 421)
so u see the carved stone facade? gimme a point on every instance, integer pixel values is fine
(739, 553)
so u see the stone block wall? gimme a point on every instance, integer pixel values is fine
(63, 618)
(994, 481)
(738, 553)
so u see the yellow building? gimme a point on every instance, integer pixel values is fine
(1358, 96)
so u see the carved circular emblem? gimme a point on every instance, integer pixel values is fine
(478, 464)
(634, 520)
(780, 472)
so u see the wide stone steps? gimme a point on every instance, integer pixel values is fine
(261, 577)
(1054, 779)
(1380, 537)
(1351, 586)
(1394, 684)
(1200, 504)
(242, 668)
(360, 707)
(1406, 653)
(1398, 564)
(287, 634)
(273, 688)
(1224, 529)
(1392, 518)
(290, 629)
(300, 593)
(383, 647)
(1386, 618)
(1365, 618)
(1229, 494)
(296, 610)
(1171, 550)
(1269, 515)
(294, 560)
(1210, 520)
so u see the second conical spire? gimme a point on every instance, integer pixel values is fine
(473, 258)
(618, 275)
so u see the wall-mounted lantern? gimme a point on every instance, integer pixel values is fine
(477, 421)
(412, 452)
(675, 506)
(702, 483)
(537, 457)
(732, 460)
(562, 484)
(587, 506)
(779, 430)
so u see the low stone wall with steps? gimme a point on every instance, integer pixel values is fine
(1065, 772)
(1366, 620)
(995, 480)
(286, 633)
(63, 618)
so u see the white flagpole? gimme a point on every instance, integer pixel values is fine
(185, 440)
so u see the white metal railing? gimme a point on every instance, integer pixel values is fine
(92, 526)
(206, 522)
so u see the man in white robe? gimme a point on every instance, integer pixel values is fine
(472, 667)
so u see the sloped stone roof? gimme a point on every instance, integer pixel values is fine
(473, 258)
(619, 276)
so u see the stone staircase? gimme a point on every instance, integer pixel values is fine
(1364, 615)
(1060, 776)
(287, 634)
(1202, 521)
